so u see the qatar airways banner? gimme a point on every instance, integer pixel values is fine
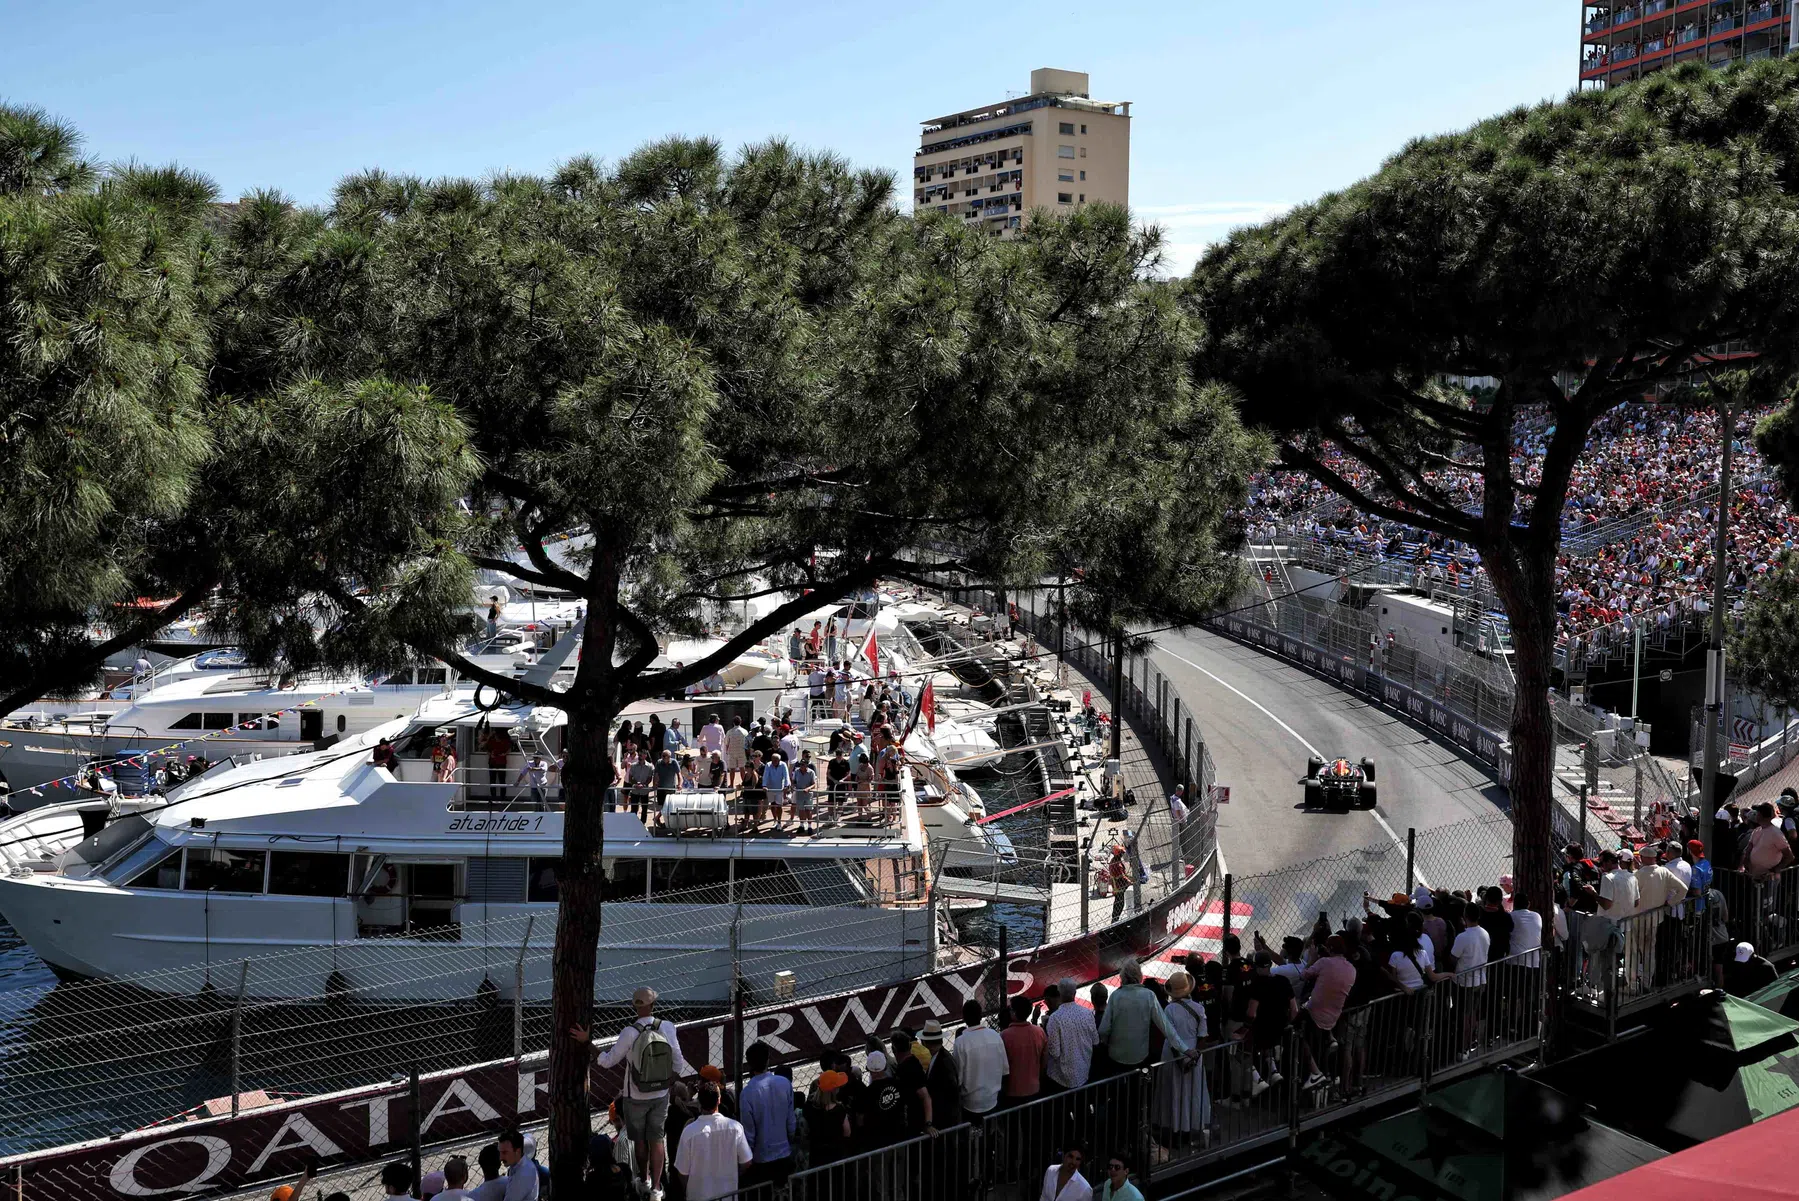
(367, 1125)
(1486, 745)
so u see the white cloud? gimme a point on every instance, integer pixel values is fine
(1188, 229)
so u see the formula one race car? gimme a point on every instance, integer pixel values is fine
(1338, 783)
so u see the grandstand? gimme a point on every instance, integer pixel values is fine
(1638, 540)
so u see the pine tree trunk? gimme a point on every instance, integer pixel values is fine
(1526, 583)
(586, 774)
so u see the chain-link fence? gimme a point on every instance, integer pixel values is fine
(99, 1058)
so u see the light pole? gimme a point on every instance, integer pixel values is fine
(1714, 653)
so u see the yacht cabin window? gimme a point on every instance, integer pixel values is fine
(222, 869)
(202, 721)
(309, 873)
(165, 873)
(691, 881)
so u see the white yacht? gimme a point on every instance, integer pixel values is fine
(345, 874)
(218, 714)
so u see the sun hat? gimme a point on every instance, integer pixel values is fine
(877, 1062)
(932, 1032)
(1744, 951)
(830, 1082)
(1695, 846)
(1180, 985)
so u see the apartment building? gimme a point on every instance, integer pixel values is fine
(1056, 149)
(1622, 41)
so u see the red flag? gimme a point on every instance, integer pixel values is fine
(927, 706)
(870, 653)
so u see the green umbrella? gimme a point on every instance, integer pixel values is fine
(1740, 1066)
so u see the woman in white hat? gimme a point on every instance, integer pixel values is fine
(1183, 1104)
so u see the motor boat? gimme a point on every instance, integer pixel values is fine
(328, 871)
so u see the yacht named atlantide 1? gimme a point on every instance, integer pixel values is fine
(347, 874)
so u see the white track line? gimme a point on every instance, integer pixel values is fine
(1298, 737)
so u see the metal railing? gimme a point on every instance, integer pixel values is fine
(1615, 966)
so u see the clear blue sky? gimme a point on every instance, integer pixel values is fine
(1240, 108)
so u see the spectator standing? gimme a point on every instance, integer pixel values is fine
(881, 1118)
(1063, 1181)
(712, 736)
(737, 742)
(1470, 951)
(805, 791)
(713, 1151)
(1101, 1066)
(499, 755)
(941, 1079)
(652, 1055)
(455, 1174)
(639, 776)
(1331, 980)
(1069, 1038)
(1183, 1104)
(777, 783)
(1524, 972)
(909, 1074)
(1118, 1186)
(1272, 1008)
(1768, 850)
(521, 1170)
(1658, 890)
(769, 1124)
(980, 1062)
(1131, 1013)
(828, 1120)
(1024, 1042)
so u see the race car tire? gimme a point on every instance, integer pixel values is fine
(1314, 796)
(1314, 765)
(1367, 799)
(1368, 770)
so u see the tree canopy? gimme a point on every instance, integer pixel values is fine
(157, 441)
(1580, 254)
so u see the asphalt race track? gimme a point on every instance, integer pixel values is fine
(1258, 714)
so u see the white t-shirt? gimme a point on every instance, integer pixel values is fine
(1177, 808)
(712, 738)
(1527, 937)
(1683, 871)
(1470, 951)
(712, 1149)
(981, 1059)
(1409, 979)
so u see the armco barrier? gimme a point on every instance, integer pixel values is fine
(1488, 746)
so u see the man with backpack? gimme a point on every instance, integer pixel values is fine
(653, 1061)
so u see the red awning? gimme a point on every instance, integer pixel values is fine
(1751, 1164)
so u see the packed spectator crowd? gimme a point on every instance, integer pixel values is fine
(1434, 974)
(1644, 493)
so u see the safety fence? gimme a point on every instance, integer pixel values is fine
(1761, 910)
(99, 1058)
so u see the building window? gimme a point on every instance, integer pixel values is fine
(1083, 152)
(1083, 177)
(1083, 129)
(1067, 129)
(1083, 198)
(1066, 176)
(1064, 197)
(1064, 151)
